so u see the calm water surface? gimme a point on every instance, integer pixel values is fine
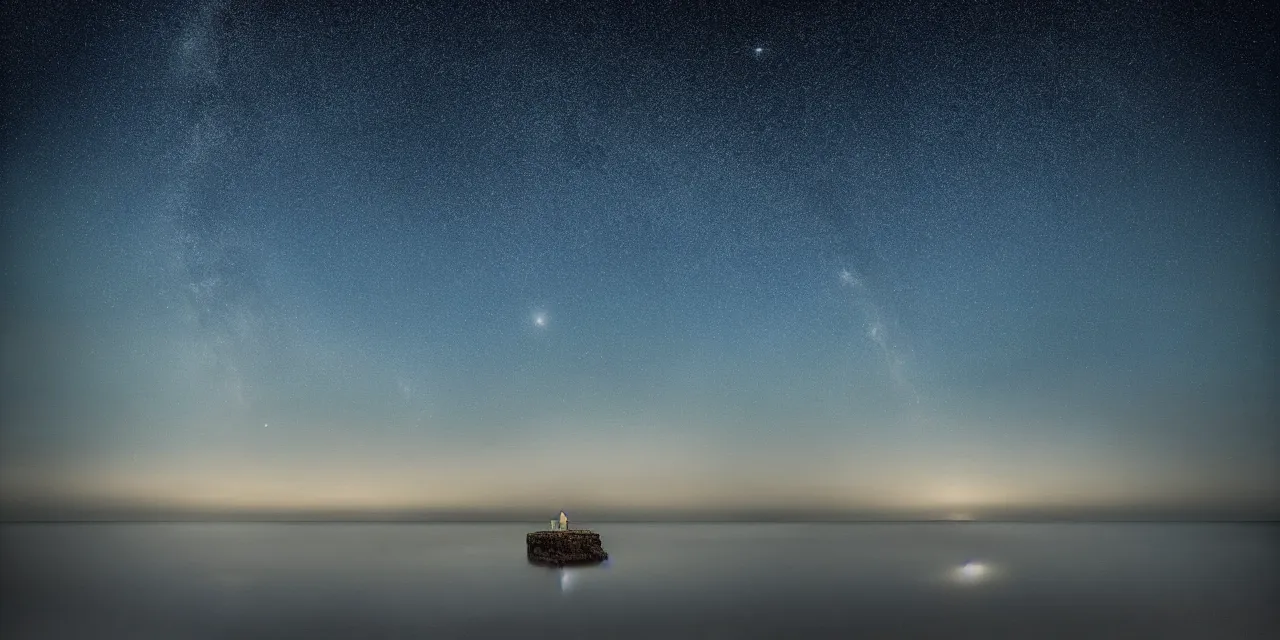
(239, 580)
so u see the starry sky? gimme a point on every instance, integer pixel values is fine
(935, 259)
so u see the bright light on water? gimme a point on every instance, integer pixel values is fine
(569, 578)
(971, 571)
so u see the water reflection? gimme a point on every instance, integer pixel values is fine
(669, 581)
(231, 581)
(971, 572)
(570, 577)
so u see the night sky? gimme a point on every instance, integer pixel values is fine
(944, 259)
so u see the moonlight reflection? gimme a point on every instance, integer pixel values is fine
(971, 572)
(571, 578)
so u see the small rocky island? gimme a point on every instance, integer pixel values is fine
(561, 546)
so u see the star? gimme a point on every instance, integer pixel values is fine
(540, 319)
(757, 51)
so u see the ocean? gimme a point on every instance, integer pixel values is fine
(872, 580)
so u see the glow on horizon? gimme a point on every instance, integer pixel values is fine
(638, 467)
(503, 482)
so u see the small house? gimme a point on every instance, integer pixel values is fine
(562, 524)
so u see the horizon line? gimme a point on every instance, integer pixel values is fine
(283, 520)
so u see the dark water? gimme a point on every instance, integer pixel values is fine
(178, 581)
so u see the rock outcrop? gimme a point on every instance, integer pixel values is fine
(560, 548)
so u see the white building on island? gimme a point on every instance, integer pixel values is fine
(562, 524)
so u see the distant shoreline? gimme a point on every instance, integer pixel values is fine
(408, 521)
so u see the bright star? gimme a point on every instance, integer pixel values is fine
(758, 51)
(540, 319)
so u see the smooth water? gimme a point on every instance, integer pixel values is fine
(240, 580)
